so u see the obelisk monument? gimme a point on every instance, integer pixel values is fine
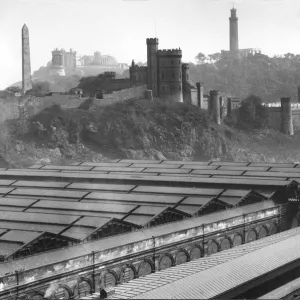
(26, 67)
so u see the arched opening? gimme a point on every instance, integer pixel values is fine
(82, 288)
(62, 293)
(110, 279)
(165, 262)
(262, 233)
(195, 253)
(128, 273)
(274, 229)
(181, 257)
(225, 244)
(213, 247)
(251, 236)
(237, 240)
(145, 268)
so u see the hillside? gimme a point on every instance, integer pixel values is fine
(137, 129)
(266, 77)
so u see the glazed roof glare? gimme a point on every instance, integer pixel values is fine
(76, 201)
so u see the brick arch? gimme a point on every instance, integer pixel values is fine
(230, 243)
(139, 270)
(183, 251)
(83, 279)
(248, 233)
(106, 272)
(162, 257)
(36, 295)
(130, 266)
(62, 286)
(195, 247)
(260, 235)
(238, 237)
(209, 246)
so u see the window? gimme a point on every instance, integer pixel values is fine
(187, 76)
(162, 75)
(173, 75)
(180, 75)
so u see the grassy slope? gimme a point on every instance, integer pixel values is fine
(140, 130)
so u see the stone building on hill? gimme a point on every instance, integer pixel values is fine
(165, 74)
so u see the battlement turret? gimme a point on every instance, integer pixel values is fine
(185, 66)
(170, 52)
(152, 41)
(233, 13)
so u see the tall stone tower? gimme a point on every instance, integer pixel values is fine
(234, 34)
(152, 70)
(170, 74)
(26, 66)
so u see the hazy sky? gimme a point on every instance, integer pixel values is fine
(120, 28)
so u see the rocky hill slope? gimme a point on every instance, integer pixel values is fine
(136, 129)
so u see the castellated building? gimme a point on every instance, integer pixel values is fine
(165, 74)
(63, 62)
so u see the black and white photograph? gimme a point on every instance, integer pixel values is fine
(149, 149)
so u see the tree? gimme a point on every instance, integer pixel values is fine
(214, 57)
(200, 57)
(252, 114)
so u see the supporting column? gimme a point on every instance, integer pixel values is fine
(199, 94)
(214, 107)
(229, 108)
(286, 116)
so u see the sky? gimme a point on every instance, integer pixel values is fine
(120, 28)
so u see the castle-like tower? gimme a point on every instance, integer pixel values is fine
(26, 65)
(152, 70)
(57, 67)
(163, 74)
(234, 36)
(170, 74)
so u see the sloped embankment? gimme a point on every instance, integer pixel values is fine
(136, 129)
